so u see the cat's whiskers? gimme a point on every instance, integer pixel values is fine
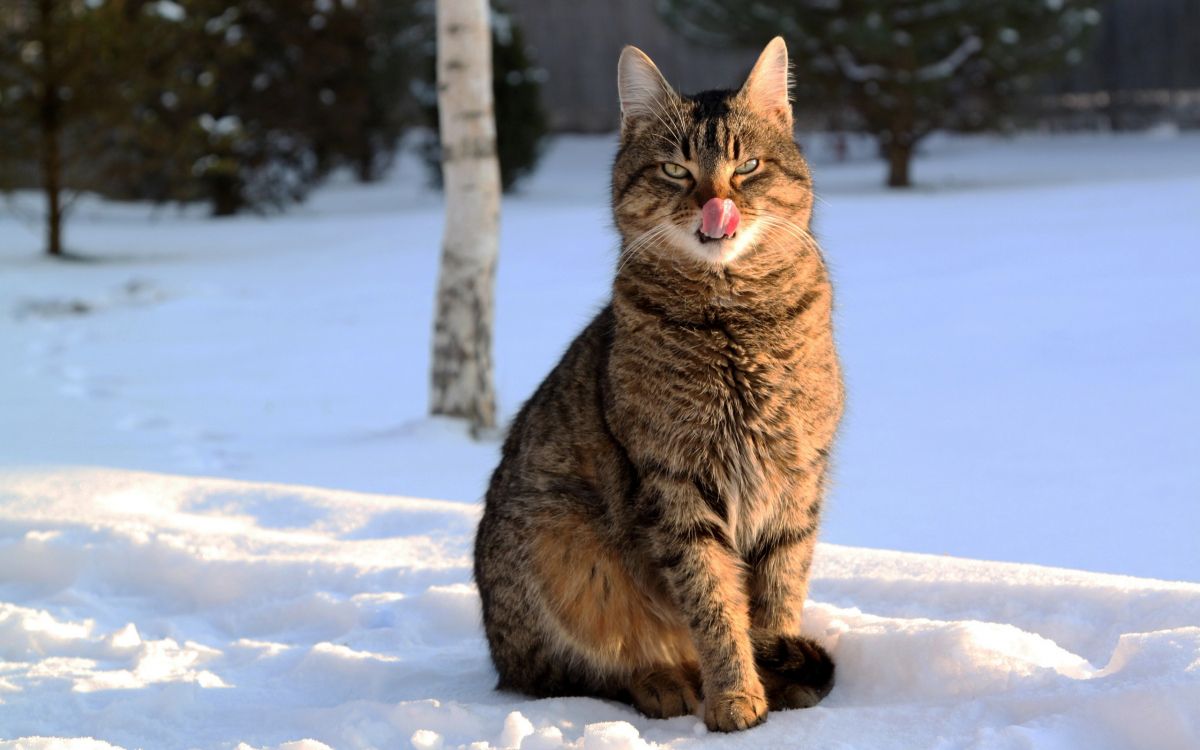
(640, 243)
(675, 113)
(680, 120)
(672, 117)
(791, 229)
(674, 126)
(778, 223)
(752, 212)
(633, 199)
(776, 231)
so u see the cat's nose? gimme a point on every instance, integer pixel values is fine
(719, 218)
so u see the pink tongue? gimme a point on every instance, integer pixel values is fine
(719, 218)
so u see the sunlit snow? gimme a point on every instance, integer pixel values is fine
(225, 521)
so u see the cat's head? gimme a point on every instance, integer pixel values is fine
(712, 176)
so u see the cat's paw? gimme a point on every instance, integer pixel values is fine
(665, 692)
(785, 695)
(735, 710)
(796, 671)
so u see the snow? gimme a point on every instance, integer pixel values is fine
(214, 457)
(950, 64)
(943, 68)
(168, 10)
(150, 610)
(857, 71)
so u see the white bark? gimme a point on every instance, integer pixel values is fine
(462, 337)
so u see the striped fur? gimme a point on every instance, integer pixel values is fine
(648, 533)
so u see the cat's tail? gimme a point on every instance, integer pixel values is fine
(797, 672)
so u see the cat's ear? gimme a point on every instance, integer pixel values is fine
(643, 90)
(766, 91)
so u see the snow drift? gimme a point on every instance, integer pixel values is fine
(155, 611)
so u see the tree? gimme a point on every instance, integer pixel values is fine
(149, 125)
(44, 55)
(905, 67)
(274, 86)
(394, 60)
(245, 104)
(521, 122)
(291, 89)
(462, 339)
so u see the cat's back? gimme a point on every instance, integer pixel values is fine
(559, 470)
(558, 436)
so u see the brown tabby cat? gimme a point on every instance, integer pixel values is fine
(648, 533)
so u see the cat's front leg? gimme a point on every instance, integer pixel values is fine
(796, 671)
(707, 581)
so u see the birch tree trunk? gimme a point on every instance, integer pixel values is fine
(462, 336)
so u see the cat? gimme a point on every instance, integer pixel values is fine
(648, 532)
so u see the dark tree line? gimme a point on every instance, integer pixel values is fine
(904, 68)
(243, 104)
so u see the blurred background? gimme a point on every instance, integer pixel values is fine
(246, 106)
(220, 229)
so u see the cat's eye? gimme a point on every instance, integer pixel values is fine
(675, 170)
(746, 167)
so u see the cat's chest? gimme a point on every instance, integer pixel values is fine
(723, 393)
(747, 373)
(726, 390)
(725, 403)
(746, 430)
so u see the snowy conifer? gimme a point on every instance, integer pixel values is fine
(904, 67)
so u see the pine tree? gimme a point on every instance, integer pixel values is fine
(394, 61)
(295, 88)
(904, 67)
(521, 122)
(248, 104)
(45, 100)
(265, 103)
(151, 135)
(243, 104)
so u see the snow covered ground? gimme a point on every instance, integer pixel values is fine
(1021, 337)
(168, 612)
